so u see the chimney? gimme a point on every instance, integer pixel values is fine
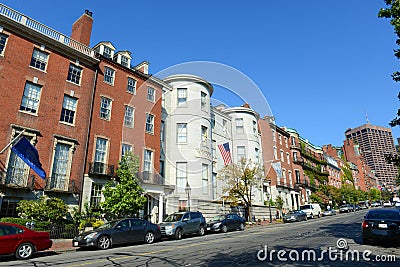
(82, 28)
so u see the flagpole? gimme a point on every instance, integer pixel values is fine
(12, 141)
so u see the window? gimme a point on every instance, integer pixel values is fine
(181, 176)
(293, 141)
(241, 152)
(162, 168)
(286, 142)
(68, 109)
(109, 75)
(125, 149)
(239, 126)
(17, 170)
(147, 162)
(149, 123)
(204, 175)
(181, 133)
(39, 59)
(124, 61)
(61, 164)
(282, 157)
(280, 139)
(3, 40)
(162, 131)
(297, 173)
(284, 176)
(257, 152)
(131, 88)
(290, 178)
(255, 127)
(288, 157)
(31, 98)
(203, 101)
(74, 74)
(182, 97)
(214, 149)
(95, 196)
(151, 94)
(100, 155)
(204, 135)
(105, 108)
(128, 117)
(107, 52)
(295, 156)
(275, 153)
(273, 135)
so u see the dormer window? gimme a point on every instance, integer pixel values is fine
(124, 61)
(107, 52)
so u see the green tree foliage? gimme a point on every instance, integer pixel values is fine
(44, 209)
(374, 194)
(347, 175)
(125, 196)
(279, 202)
(392, 12)
(241, 180)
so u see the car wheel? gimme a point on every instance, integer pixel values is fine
(202, 230)
(312, 216)
(224, 229)
(241, 226)
(366, 241)
(24, 251)
(104, 242)
(178, 234)
(149, 237)
(306, 218)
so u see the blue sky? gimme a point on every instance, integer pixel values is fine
(322, 65)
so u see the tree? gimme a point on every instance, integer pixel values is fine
(124, 197)
(374, 194)
(241, 181)
(392, 12)
(44, 209)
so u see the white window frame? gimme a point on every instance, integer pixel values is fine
(131, 85)
(74, 74)
(151, 94)
(126, 148)
(181, 133)
(282, 156)
(204, 179)
(105, 108)
(181, 96)
(148, 160)
(275, 152)
(181, 176)
(288, 157)
(56, 180)
(240, 155)
(239, 126)
(101, 154)
(31, 98)
(149, 123)
(3, 43)
(129, 116)
(96, 195)
(109, 75)
(68, 109)
(204, 135)
(39, 59)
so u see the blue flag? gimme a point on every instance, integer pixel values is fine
(28, 153)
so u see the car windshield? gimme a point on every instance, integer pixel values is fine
(218, 218)
(344, 206)
(107, 225)
(305, 207)
(291, 213)
(173, 217)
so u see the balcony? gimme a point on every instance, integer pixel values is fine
(99, 168)
(21, 19)
(24, 182)
(150, 178)
(60, 187)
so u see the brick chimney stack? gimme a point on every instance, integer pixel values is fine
(82, 28)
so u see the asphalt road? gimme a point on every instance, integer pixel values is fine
(256, 246)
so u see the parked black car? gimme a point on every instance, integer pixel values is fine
(183, 223)
(224, 223)
(118, 232)
(295, 216)
(381, 225)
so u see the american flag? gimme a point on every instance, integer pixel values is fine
(226, 153)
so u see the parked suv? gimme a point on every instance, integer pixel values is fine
(183, 223)
(311, 210)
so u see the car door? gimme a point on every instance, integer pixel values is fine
(121, 232)
(230, 221)
(186, 226)
(138, 230)
(11, 236)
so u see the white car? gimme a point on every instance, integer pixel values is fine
(387, 204)
(312, 210)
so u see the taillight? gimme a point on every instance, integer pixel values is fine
(364, 224)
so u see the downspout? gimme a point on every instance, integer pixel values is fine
(87, 139)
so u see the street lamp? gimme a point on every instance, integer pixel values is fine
(188, 190)
(269, 201)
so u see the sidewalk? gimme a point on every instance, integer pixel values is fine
(62, 245)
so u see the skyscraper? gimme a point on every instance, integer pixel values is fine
(375, 142)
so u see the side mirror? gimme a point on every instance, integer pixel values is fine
(118, 227)
(185, 219)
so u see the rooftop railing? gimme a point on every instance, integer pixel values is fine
(43, 29)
